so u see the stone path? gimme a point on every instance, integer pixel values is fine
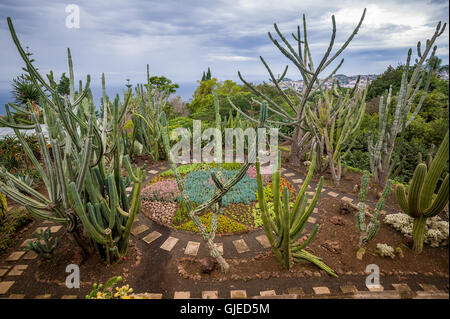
(183, 243)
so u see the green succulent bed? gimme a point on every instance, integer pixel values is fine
(241, 211)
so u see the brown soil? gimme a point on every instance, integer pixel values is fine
(93, 270)
(344, 261)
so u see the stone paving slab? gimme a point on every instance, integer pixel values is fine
(153, 172)
(240, 246)
(38, 230)
(154, 296)
(55, 229)
(333, 194)
(5, 285)
(46, 296)
(16, 296)
(312, 220)
(182, 295)
(139, 230)
(151, 237)
(69, 297)
(321, 290)
(192, 248)
(4, 270)
(298, 181)
(15, 256)
(267, 293)
(238, 294)
(30, 255)
(347, 199)
(348, 289)
(289, 174)
(263, 240)
(375, 288)
(428, 287)
(169, 243)
(17, 270)
(210, 294)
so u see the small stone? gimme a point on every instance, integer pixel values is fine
(207, 264)
(317, 274)
(336, 220)
(332, 246)
(356, 188)
(308, 273)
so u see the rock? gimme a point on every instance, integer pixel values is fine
(345, 208)
(356, 188)
(378, 195)
(360, 254)
(332, 246)
(308, 273)
(337, 220)
(317, 274)
(207, 264)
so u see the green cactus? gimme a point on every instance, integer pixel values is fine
(369, 231)
(45, 249)
(288, 224)
(394, 120)
(419, 202)
(100, 291)
(215, 202)
(300, 55)
(80, 187)
(334, 122)
(3, 206)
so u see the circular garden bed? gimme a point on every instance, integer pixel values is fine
(162, 200)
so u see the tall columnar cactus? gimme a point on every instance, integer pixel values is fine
(215, 202)
(394, 120)
(369, 231)
(286, 227)
(419, 203)
(83, 195)
(335, 121)
(3, 206)
(150, 101)
(300, 55)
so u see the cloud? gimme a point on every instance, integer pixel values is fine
(181, 39)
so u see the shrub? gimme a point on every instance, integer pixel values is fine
(200, 188)
(385, 250)
(436, 230)
(224, 225)
(164, 190)
(16, 219)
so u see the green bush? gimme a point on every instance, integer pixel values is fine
(16, 218)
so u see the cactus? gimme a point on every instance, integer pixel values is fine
(3, 206)
(335, 122)
(288, 224)
(369, 231)
(83, 195)
(419, 203)
(100, 291)
(215, 202)
(300, 55)
(45, 249)
(147, 116)
(393, 121)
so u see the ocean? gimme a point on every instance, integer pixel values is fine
(186, 90)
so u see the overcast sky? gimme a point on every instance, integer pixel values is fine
(180, 39)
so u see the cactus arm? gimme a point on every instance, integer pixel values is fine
(434, 172)
(414, 190)
(440, 201)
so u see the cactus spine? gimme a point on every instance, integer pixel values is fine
(380, 151)
(80, 188)
(419, 202)
(288, 224)
(221, 189)
(369, 231)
